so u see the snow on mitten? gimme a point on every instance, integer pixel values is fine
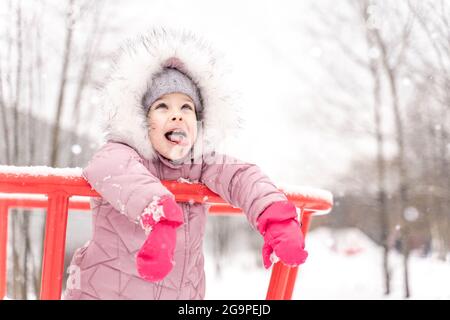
(283, 237)
(160, 221)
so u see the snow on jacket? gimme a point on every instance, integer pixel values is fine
(127, 173)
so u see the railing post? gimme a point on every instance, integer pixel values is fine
(283, 278)
(278, 282)
(54, 244)
(3, 247)
(294, 271)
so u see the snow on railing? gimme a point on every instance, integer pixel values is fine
(307, 192)
(61, 189)
(41, 171)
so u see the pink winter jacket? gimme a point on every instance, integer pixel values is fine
(127, 173)
(127, 184)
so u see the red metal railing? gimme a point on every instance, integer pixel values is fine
(60, 186)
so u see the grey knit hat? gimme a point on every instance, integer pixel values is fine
(171, 80)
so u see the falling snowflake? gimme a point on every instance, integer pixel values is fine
(316, 52)
(374, 53)
(76, 149)
(411, 214)
(406, 81)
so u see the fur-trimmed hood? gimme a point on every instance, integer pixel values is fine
(133, 68)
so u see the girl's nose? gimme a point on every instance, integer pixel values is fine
(177, 116)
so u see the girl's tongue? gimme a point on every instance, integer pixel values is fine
(177, 137)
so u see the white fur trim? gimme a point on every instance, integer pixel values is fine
(132, 70)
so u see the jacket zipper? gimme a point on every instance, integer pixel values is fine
(186, 234)
(186, 210)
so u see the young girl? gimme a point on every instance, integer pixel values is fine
(165, 111)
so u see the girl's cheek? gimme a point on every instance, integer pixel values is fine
(152, 124)
(152, 131)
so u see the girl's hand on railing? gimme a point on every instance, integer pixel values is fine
(160, 221)
(283, 237)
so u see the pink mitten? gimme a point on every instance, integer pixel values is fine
(283, 237)
(160, 221)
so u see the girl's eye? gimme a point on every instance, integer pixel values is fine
(187, 106)
(162, 105)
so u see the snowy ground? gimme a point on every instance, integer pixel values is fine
(343, 264)
(334, 273)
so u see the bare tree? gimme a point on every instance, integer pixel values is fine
(381, 171)
(70, 22)
(390, 67)
(394, 58)
(22, 93)
(399, 66)
(434, 76)
(89, 55)
(368, 65)
(398, 55)
(4, 121)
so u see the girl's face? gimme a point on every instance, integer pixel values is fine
(172, 124)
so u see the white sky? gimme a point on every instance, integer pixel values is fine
(277, 67)
(267, 47)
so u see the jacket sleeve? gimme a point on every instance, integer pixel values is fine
(241, 184)
(117, 173)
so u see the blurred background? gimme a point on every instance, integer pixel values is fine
(352, 97)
